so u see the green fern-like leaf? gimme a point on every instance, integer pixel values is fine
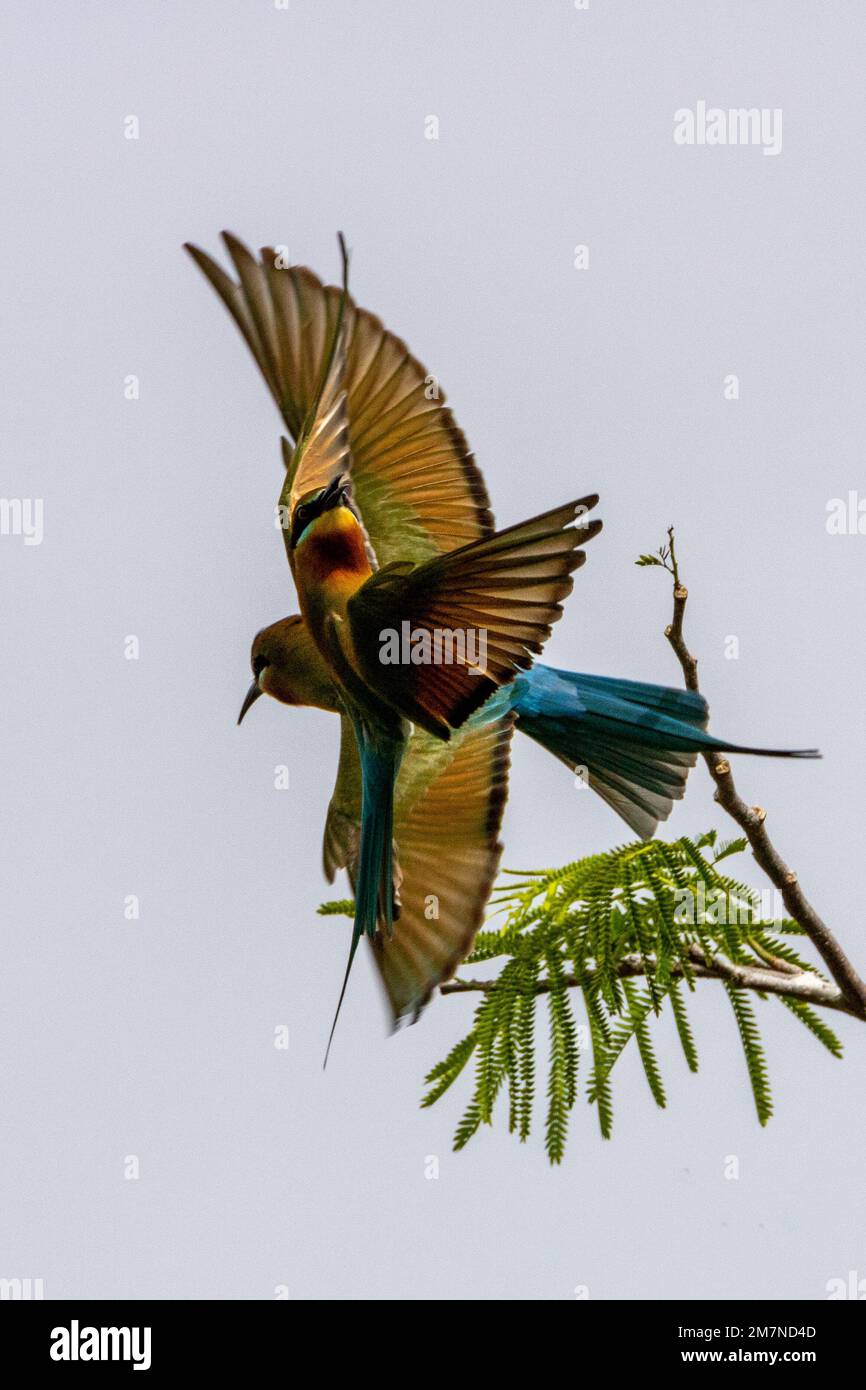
(639, 1005)
(564, 1058)
(813, 1021)
(592, 927)
(681, 1018)
(753, 1051)
(730, 847)
(342, 907)
(599, 1089)
(467, 1127)
(524, 1037)
(446, 1072)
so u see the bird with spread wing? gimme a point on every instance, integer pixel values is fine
(386, 520)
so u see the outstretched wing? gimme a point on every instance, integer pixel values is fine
(448, 849)
(322, 454)
(448, 812)
(472, 618)
(414, 480)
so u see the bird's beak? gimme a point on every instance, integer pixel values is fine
(250, 699)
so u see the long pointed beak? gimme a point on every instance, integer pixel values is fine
(331, 495)
(249, 699)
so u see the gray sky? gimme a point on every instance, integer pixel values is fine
(154, 1037)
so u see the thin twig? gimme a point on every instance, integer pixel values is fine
(804, 985)
(752, 820)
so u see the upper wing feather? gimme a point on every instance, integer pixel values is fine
(478, 615)
(414, 479)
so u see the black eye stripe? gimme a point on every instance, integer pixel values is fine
(332, 495)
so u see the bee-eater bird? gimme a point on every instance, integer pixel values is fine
(416, 494)
(505, 589)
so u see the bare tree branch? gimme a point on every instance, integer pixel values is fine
(803, 984)
(752, 820)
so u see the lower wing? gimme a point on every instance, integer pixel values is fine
(447, 817)
(448, 850)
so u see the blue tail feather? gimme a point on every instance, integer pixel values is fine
(374, 886)
(636, 741)
(374, 877)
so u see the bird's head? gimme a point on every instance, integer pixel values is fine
(287, 665)
(324, 511)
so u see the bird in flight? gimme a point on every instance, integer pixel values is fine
(388, 527)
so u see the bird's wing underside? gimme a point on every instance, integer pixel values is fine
(449, 803)
(448, 846)
(323, 452)
(414, 480)
(343, 821)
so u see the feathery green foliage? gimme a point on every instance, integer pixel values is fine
(621, 932)
(342, 907)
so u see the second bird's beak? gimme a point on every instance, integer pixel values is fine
(250, 699)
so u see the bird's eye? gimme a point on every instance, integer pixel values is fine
(344, 497)
(259, 664)
(301, 512)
